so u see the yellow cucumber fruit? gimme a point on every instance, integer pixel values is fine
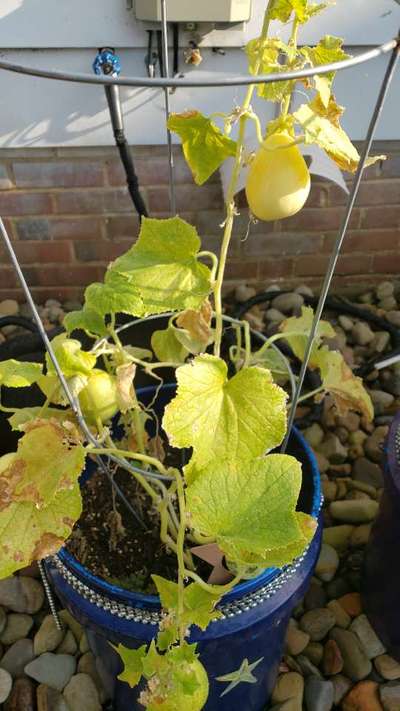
(99, 398)
(278, 183)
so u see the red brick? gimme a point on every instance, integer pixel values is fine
(19, 203)
(206, 197)
(275, 268)
(370, 241)
(59, 174)
(386, 263)
(76, 228)
(372, 192)
(318, 196)
(390, 168)
(68, 275)
(5, 180)
(43, 252)
(381, 217)
(282, 244)
(33, 228)
(122, 227)
(100, 251)
(152, 171)
(347, 264)
(319, 219)
(72, 202)
(8, 278)
(241, 270)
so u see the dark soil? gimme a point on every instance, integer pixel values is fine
(111, 544)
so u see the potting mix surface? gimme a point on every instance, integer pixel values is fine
(333, 659)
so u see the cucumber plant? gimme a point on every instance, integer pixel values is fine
(230, 422)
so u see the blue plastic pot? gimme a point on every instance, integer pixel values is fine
(255, 613)
(381, 580)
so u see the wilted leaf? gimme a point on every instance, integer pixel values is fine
(205, 147)
(87, 320)
(328, 50)
(321, 126)
(296, 326)
(48, 461)
(125, 390)
(250, 509)
(17, 374)
(346, 388)
(28, 533)
(26, 414)
(163, 267)
(240, 418)
(282, 9)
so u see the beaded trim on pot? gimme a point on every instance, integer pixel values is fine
(397, 444)
(146, 617)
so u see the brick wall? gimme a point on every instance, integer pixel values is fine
(69, 214)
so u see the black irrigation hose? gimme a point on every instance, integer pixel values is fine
(341, 305)
(20, 321)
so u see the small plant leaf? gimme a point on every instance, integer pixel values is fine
(28, 533)
(346, 388)
(48, 461)
(321, 126)
(71, 358)
(296, 326)
(117, 295)
(166, 346)
(250, 508)
(282, 9)
(270, 359)
(271, 50)
(205, 147)
(87, 320)
(17, 374)
(241, 418)
(198, 603)
(328, 50)
(21, 417)
(132, 660)
(163, 267)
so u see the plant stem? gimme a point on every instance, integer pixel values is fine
(309, 394)
(293, 45)
(230, 198)
(214, 589)
(180, 553)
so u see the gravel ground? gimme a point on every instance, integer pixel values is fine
(332, 657)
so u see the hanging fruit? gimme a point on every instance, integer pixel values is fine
(278, 183)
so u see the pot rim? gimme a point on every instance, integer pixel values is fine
(135, 599)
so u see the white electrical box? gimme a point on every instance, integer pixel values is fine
(195, 10)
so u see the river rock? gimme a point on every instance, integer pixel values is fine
(356, 664)
(288, 302)
(18, 626)
(329, 490)
(355, 511)
(368, 472)
(21, 594)
(288, 686)
(369, 641)
(345, 322)
(54, 670)
(390, 696)
(332, 660)
(68, 645)
(373, 445)
(314, 652)
(296, 640)
(81, 693)
(333, 449)
(363, 697)
(341, 685)
(317, 623)
(22, 697)
(361, 535)
(394, 318)
(318, 694)
(17, 657)
(351, 603)
(72, 623)
(3, 620)
(327, 564)
(5, 685)
(362, 334)
(48, 636)
(274, 316)
(387, 667)
(49, 699)
(338, 536)
(9, 307)
(381, 401)
(87, 665)
(307, 667)
(315, 596)
(384, 289)
(244, 293)
(381, 341)
(342, 619)
(314, 435)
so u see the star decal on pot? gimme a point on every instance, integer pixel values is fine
(242, 675)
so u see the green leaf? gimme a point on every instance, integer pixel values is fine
(21, 417)
(16, 374)
(270, 359)
(240, 418)
(166, 346)
(328, 50)
(205, 147)
(198, 603)
(49, 460)
(28, 533)
(163, 267)
(346, 388)
(250, 508)
(87, 320)
(321, 126)
(296, 326)
(270, 51)
(133, 664)
(117, 295)
(282, 10)
(71, 358)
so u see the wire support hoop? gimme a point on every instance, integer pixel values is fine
(387, 79)
(169, 82)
